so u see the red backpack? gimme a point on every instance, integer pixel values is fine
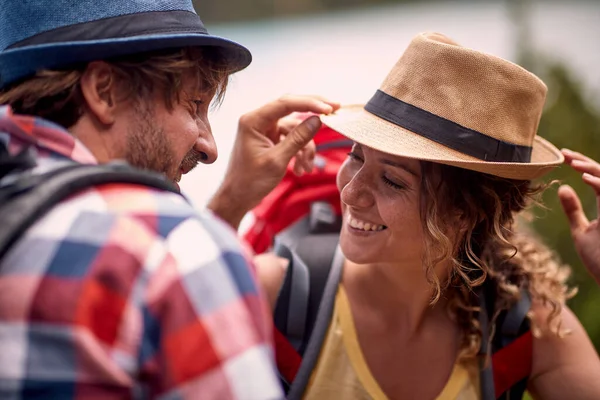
(300, 220)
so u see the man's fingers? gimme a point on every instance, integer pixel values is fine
(297, 139)
(334, 104)
(267, 116)
(307, 154)
(289, 123)
(304, 160)
(572, 207)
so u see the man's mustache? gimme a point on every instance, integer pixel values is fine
(191, 160)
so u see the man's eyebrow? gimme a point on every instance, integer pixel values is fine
(399, 165)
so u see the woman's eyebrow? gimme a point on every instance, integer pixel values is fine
(399, 165)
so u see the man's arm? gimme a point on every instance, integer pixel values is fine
(206, 325)
(263, 148)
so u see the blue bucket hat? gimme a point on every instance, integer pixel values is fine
(53, 34)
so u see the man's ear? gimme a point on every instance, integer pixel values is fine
(99, 90)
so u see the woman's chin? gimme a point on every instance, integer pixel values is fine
(355, 254)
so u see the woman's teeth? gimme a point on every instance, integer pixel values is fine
(365, 226)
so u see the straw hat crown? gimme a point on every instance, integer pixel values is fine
(446, 103)
(473, 89)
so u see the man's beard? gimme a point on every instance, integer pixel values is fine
(148, 147)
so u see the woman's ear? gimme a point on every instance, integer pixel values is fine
(99, 90)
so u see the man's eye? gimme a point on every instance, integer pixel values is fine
(199, 104)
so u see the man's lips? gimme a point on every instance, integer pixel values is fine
(184, 169)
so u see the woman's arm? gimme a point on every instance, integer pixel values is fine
(563, 368)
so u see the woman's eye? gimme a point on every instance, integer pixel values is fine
(354, 156)
(392, 184)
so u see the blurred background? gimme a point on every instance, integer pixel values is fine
(343, 49)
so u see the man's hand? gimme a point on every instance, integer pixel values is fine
(586, 234)
(266, 142)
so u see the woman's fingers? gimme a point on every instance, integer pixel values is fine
(571, 205)
(571, 155)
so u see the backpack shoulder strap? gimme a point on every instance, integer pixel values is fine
(486, 295)
(30, 197)
(319, 331)
(292, 302)
(509, 353)
(513, 350)
(310, 246)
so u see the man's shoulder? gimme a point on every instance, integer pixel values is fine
(165, 209)
(159, 211)
(136, 221)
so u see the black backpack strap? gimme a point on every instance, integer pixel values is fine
(512, 324)
(319, 331)
(10, 164)
(30, 197)
(292, 302)
(309, 245)
(318, 253)
(486, 374)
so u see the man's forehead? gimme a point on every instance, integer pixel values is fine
(194, 84)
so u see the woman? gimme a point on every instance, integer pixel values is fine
(442, 165)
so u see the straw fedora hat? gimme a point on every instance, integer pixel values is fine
(50, 34)
(445, 103)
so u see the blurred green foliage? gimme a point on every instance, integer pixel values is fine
(572, 122)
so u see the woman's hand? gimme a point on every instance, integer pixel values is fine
(585, 233)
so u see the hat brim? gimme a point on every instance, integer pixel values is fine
(369, 130)
(18, 63)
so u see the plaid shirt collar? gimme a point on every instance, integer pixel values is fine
(20, 131)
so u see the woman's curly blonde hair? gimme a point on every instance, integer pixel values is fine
(487, 246)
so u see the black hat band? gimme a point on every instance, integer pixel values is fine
(139, 24)
(446, 132)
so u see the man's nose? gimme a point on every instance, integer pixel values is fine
(206, 146)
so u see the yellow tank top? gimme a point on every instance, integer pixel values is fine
(342, 373)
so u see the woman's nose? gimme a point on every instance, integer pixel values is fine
(357, 193)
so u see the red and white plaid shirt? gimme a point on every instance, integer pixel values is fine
(123, 291)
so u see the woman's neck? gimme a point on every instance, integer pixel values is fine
(394, 296)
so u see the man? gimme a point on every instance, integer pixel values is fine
(123, 291)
